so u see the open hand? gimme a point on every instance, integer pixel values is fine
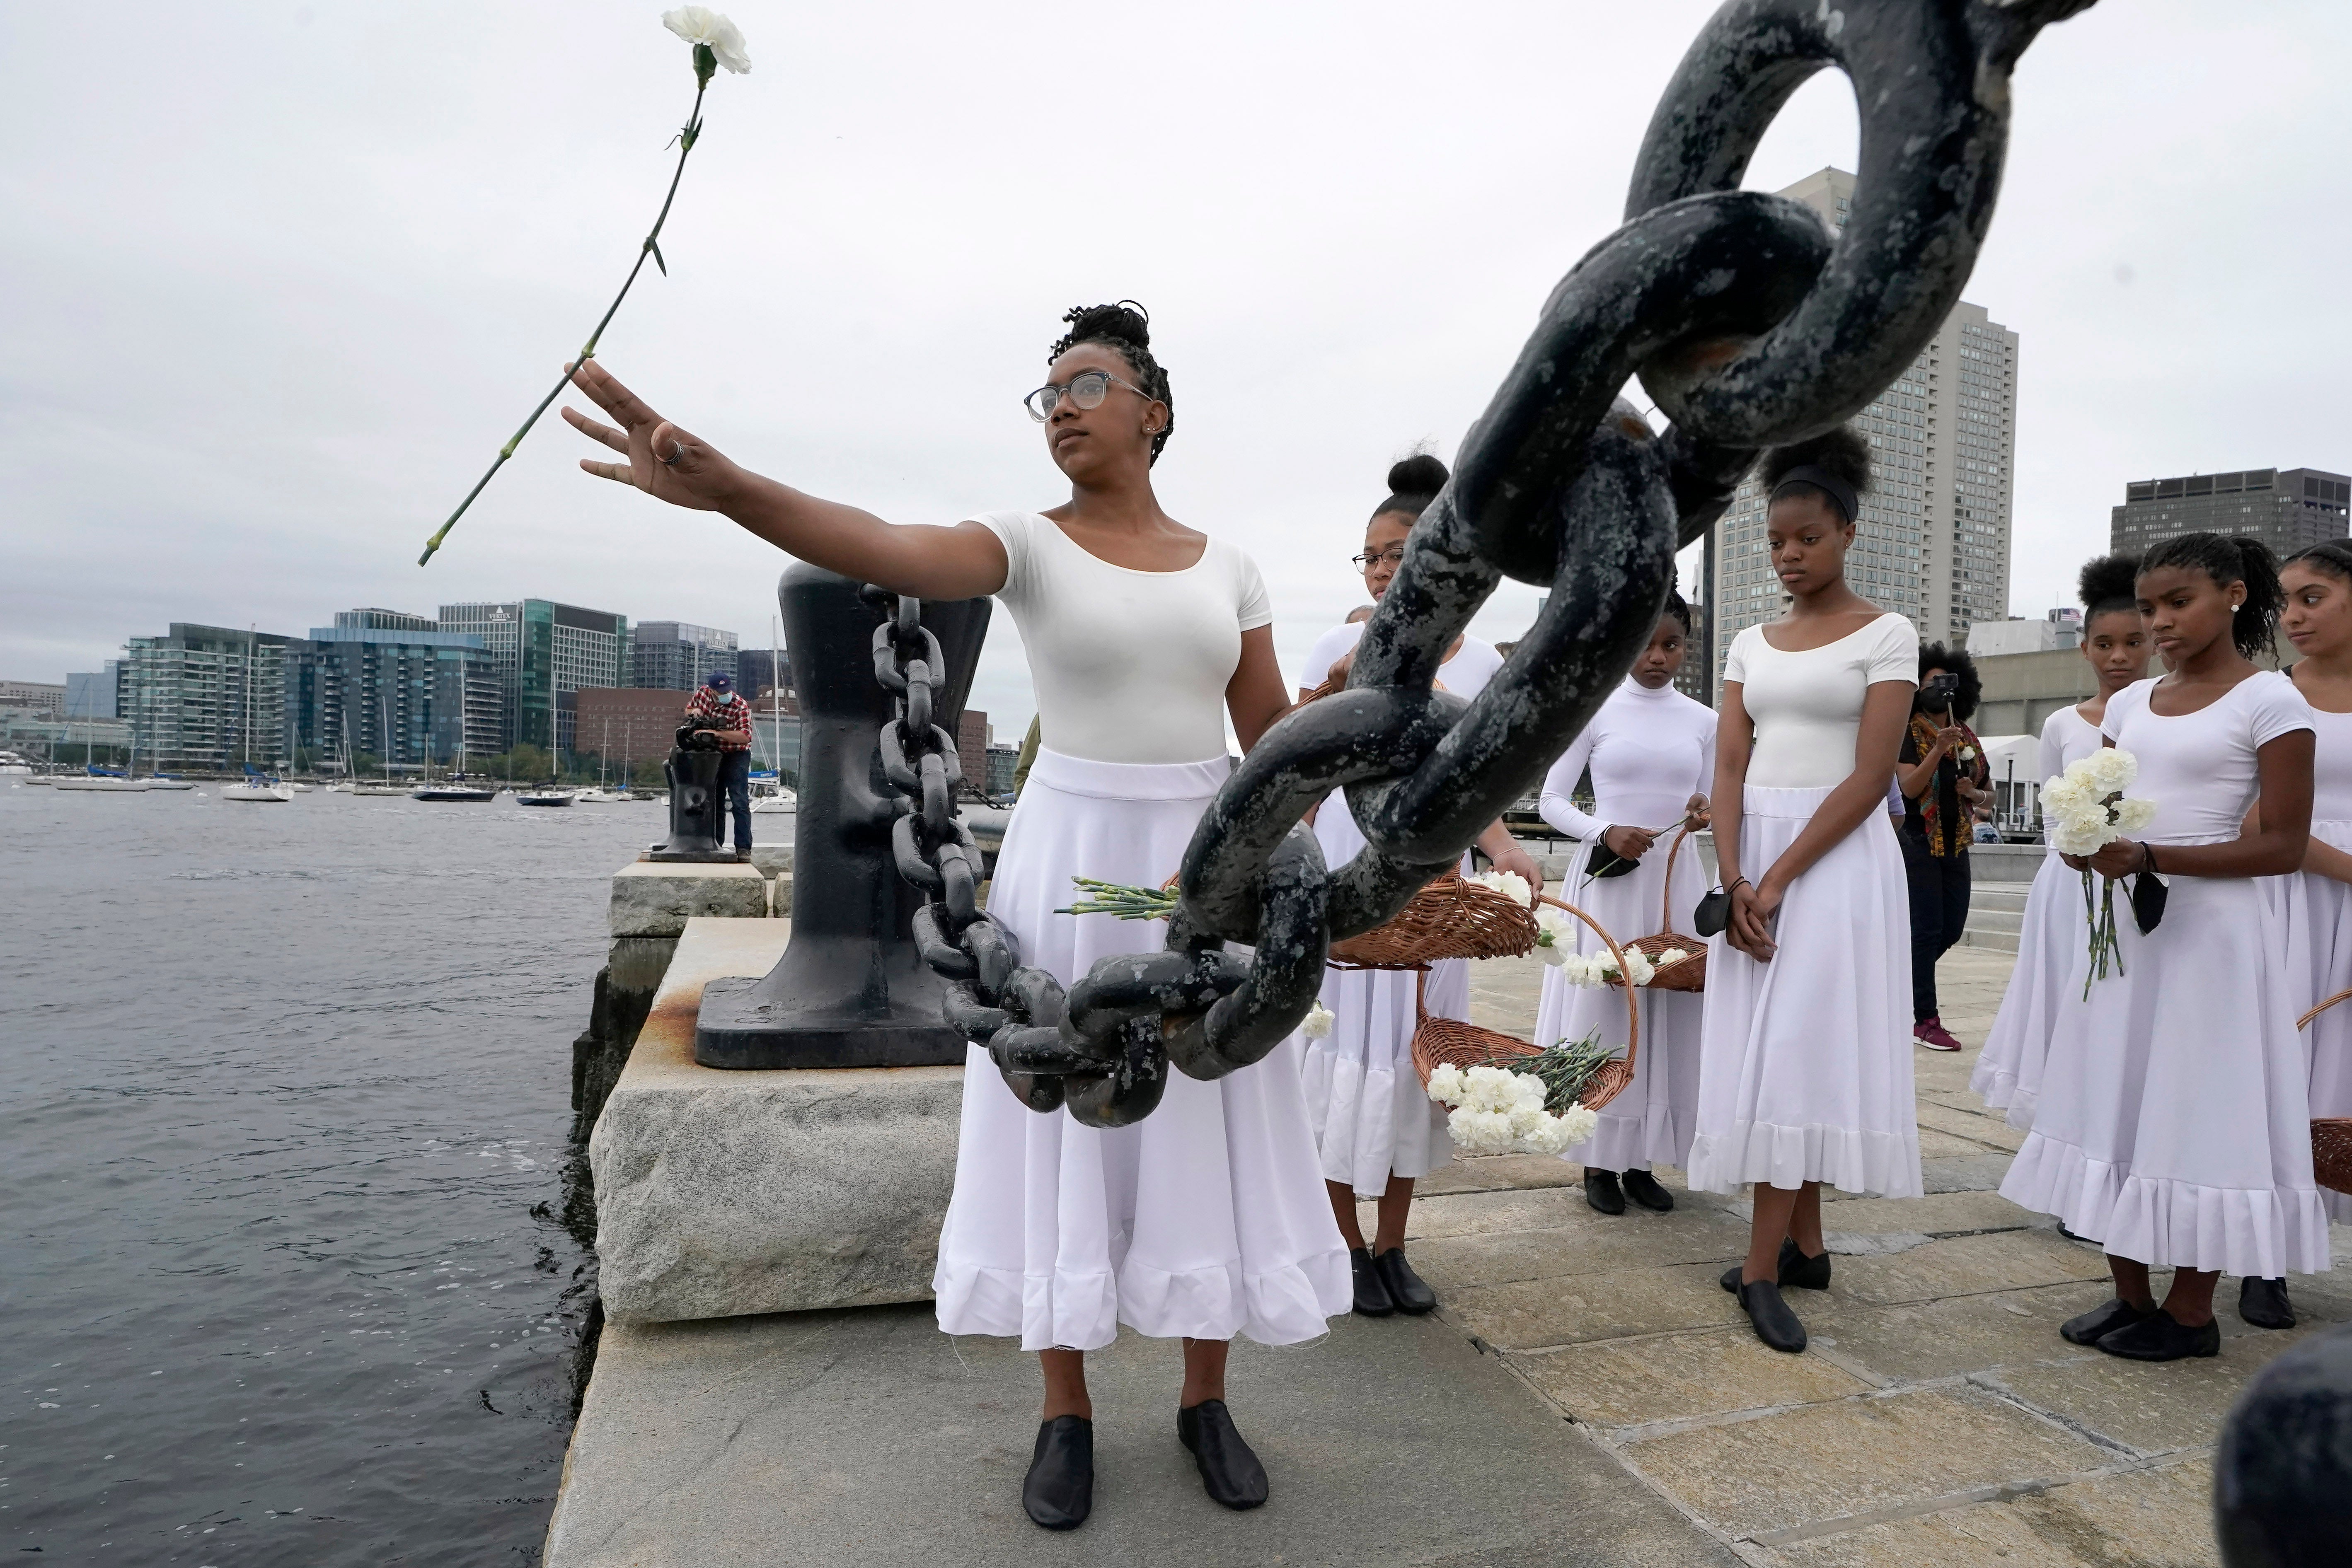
(664, 461)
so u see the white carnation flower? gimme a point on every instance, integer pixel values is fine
(1480, 1132)
(1638, 967)
(1531, 1090)
(1446, 1083)
(702, 25)
(2135, 816)
(2066, 793)
(1554, 953)
(1316, 1024)
(2111, 770)
(1552, 1138)
(1490, 1089)
(2079, 836)
(1510, 885)
(1553, 929)
(1525, 1119)
(1576, 1123)
(1670, 955)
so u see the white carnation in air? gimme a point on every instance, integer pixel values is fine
(702, 25)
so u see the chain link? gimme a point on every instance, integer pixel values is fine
(1748, 325)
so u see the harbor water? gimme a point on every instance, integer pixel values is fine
(295, 1263)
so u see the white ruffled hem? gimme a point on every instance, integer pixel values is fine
(2252, 1232)
(1993, 1083)
(1867, 1164)
(1068, 1311)
(1371, 1123)
(1656, 1137)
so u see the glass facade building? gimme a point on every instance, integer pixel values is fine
(541, 652)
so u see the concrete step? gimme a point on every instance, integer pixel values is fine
(1999, 941)
(1996, 920)
(2000, 896)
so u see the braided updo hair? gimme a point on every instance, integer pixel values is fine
(1125, 329)
(1677, 609)
(2229, 560)
(1413, 483)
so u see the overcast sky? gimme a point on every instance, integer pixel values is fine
(281, 279)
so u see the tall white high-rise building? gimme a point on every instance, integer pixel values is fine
(1933, 540)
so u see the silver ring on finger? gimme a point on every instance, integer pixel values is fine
(676, 451)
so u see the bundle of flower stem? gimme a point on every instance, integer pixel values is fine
(1117, 899)
(1565, 1067)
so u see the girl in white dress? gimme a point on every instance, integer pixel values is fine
(1205, 1220)
(2174, 1125)
(1651, 753)
(2314, 905)
(1377, 1130)
(2008, 1070)
(1805, 1060)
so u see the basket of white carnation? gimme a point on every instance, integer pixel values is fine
(1441, 1042)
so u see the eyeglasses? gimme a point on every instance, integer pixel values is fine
(1086, 389)
(1391, 558)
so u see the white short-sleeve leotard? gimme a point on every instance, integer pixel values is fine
(1807, 706)
(1129, 667)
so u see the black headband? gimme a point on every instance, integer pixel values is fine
(1839, 493)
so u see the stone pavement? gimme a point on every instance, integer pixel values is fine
(1586, 1395)
(1937, 1417)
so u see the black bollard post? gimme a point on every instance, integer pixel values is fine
(851, 990)
(2283, 1469)
(697, 812)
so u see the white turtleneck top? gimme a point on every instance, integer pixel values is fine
(1650, 751)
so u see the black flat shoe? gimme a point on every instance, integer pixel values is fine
(1601, 1192)
(1407, 1289)
(1796, 1271)
(1372, 1298)
(1774, 1323)
(1644, 1188)
(2157, 1337)
(1804, 1273)
(2263, 1303)
(2102, 1320)
(1229, 1470)
(1060, 1491)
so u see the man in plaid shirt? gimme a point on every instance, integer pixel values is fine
(719, 710)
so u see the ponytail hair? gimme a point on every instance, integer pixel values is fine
(2331, 558)
(2229, 560)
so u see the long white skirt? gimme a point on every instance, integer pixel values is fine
(1652, 1120)
(2315, 912)
(2174, 1127)
(1805, 1064)
(1207, 1218)
(2007, 1074)
(1372, 1117)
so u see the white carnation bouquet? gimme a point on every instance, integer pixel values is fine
(2086, 810)
(1498, 1111)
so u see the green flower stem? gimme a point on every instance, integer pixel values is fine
(687, 138)
(1116, 899)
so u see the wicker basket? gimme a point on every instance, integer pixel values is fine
(1465, 1045)
(2331, 1136)
(1452, 917)
(1690, 973)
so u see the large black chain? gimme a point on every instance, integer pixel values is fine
(1748, 325)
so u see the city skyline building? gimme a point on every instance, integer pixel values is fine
(391, 686)
(678, 655)
(1933, 542)
(206, 696)
(2286, 508)
(544, 652)
(44, 699)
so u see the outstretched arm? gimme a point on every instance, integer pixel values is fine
(673, 464)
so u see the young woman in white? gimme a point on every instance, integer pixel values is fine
(1377, 1130)
(2314, 905)
(2114, 645)
(2174, 1124)
(1651, 753)
(1206, 1218)
(1805, 1060)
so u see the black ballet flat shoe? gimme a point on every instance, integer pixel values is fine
(1407, 1289)
(1372, 1298)
(1060, 1491)
(2102, 1320)
(1774, 1323)
(1796, 1270)
(2161, 1337)
(1803, 1272)
(1230, 1472)
(2263, 1303)
(1601, 1192)
(1644, 1188)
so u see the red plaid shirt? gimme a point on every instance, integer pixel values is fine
(709, 710)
